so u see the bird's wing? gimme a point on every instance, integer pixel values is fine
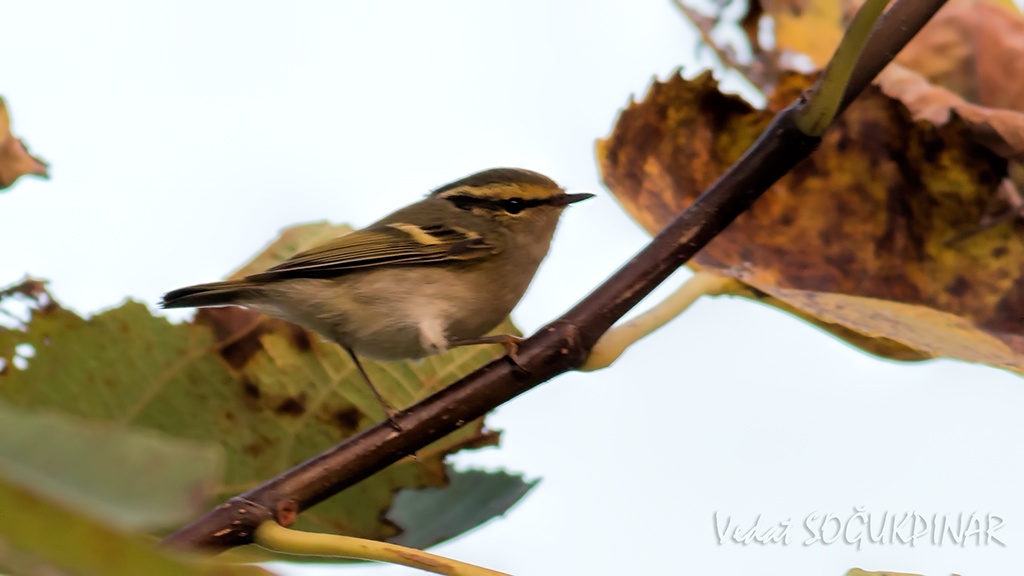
(394, 243)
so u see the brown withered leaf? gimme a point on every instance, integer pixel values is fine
(15, 161)
(1000, 130)
(854, 238)
(975, 49)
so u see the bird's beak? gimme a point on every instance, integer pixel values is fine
(566, 199)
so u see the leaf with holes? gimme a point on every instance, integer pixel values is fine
(864, 238)
(269, 392)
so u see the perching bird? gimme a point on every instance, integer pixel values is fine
(434, 275)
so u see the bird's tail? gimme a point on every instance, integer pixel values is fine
(212, 294)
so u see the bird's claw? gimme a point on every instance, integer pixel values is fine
(512, 352)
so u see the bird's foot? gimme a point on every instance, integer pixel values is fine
(508, 341)
(391, 413)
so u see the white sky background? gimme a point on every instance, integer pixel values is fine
(183, 136)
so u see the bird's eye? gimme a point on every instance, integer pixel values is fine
(513, 205)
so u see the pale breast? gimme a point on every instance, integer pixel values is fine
(392, 313)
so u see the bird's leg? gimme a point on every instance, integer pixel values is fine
(510, 342)
(389, 410)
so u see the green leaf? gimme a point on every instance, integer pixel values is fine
(131, 479)
(433, 515)
(271, 394)
(427, 516)
(38, 537)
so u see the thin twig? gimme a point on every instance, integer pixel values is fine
(620, 337)
(273, 536)
(724, 58)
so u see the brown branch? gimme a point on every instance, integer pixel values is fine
(564, 344)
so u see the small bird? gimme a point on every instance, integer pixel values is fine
(437, 274)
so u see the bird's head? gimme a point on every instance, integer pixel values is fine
(511, 196)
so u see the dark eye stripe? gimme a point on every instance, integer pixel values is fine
(468, 202)
(510, 205)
